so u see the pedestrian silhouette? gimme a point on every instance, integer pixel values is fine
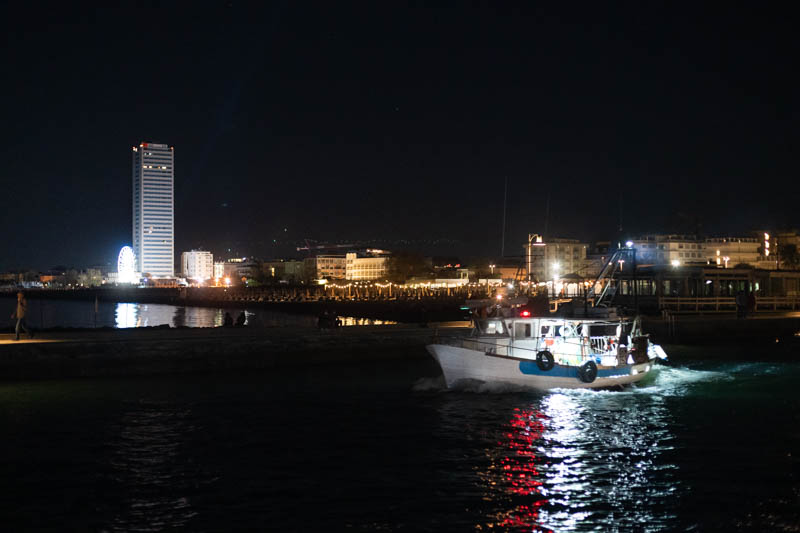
(19, 314)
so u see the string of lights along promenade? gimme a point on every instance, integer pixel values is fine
(153, 209)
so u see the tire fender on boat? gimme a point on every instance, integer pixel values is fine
(545, 360)
(587, 372)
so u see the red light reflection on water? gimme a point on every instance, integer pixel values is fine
(520, 476)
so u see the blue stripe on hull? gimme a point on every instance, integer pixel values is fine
(530, 368)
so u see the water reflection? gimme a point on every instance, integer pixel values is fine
(514, 475)
(136, 315)
(127, 315)
(568, 459)
(147, 461)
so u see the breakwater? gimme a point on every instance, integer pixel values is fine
(415, 307)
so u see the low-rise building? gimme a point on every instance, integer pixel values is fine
(328, 266)
(727, 252)
(284, 270)
(219, 270)
(197, 265)
(239, 270)
(670, 249)
(370, 265)
(91, 277)
(555, 257)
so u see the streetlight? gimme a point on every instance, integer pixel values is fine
(675, 263)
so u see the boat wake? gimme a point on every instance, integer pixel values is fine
(429, 384)
(664, 381)
(438, 384)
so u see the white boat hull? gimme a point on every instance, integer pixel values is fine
(460, 364)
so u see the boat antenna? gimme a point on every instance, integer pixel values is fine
(503, 238)
(547, 215)
(619, 232)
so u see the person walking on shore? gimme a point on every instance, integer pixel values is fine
(19, 314)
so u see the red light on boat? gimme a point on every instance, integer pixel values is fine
(525, 313)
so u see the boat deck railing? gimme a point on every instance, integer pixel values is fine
(503, 346)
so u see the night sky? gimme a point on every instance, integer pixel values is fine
(378, 122)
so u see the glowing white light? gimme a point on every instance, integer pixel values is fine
(629, 244)
(126, 266)
(676, 263)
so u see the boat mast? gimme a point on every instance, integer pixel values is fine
(503, 238)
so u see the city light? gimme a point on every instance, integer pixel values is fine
(629, 244)
(675, 263)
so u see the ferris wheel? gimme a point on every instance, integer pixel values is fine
(126, 266)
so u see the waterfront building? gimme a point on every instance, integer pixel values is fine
(197, 265)
(239, 269)
(283, 269)
(727, 252)
(91, 277)
(367, 266)
(676, 250)
(671, 250)
(329, 266)
(554, 258)
(219, 270)
(153, 209)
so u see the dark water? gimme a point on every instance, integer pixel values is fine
(702, 447)
(79, 314)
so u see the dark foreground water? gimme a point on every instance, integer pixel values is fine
(383, 447)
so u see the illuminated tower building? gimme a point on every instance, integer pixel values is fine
(153, 209)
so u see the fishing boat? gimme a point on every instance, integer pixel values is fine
(548, 352)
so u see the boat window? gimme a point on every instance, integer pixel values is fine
(494, 327)
(522, 330)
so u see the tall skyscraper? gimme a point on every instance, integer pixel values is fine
(153, 209)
